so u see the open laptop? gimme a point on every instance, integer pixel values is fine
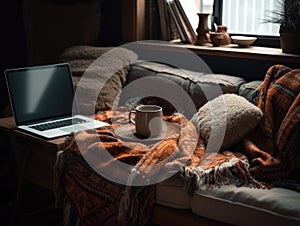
(42, 101)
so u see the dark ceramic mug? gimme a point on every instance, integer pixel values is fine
(148, 120)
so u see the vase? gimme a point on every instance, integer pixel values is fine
(203, 37)
(226, 37)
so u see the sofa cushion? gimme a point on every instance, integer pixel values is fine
(250, 91)
(110, 73)
(172, 193)
(228, 114)
(200, 87)
(137, 71)
(248, 206)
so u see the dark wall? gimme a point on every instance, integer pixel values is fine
(13, 45)
(20, 20)
(111, 29)
(36, 31)
(15, 39)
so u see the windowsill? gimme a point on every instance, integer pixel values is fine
(252, 52)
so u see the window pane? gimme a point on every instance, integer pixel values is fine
(246, 17)
(192, 7)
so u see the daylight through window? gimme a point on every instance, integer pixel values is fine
(247, 16)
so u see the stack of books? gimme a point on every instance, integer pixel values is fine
(172, 20)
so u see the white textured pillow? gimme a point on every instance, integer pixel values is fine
(226, 119)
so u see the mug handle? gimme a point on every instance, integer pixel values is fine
(130, 118)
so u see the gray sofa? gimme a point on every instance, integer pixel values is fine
(229, 204)
(225, 205)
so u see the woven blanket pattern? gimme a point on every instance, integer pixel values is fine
(97, 199)
(266, 154)
(273, 145)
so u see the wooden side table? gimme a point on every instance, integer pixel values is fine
(34, 158)
(39, 169)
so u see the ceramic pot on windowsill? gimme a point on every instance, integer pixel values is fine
(203, 37)
(216, 38)
(226, 37)
(289, 40)
(287, 15)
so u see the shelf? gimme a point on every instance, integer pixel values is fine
(253, 52)
(233, 50)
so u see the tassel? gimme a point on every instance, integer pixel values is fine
(59, 168)
(232, 172)
(124, 205)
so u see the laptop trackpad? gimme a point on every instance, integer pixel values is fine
(74, 128)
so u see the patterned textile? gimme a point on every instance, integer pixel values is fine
(273, 145)
(96, 199)
(99, 201)
(268, 152)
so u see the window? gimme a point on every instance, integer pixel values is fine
(245, 17)
(192, 7)
(242, 17)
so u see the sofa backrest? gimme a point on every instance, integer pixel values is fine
(200, 87)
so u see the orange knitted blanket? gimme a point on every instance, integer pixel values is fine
(100, 199)
(272, 147)
(268, 154)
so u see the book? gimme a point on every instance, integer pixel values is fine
(172, 31)
(152, 22)
(164, 20)
(190, 29)
(185, 28)
(190, 9)
(167, 21)
(176, 20)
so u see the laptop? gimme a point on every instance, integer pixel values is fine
(42, 97)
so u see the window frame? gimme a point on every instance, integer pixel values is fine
(262, 40)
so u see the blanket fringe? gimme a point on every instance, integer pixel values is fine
(58, 186)
(70, 217)
(124, 205)
(232, 172)
(136, 200)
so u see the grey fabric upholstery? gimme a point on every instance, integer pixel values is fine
(200, 87)
(250, 91)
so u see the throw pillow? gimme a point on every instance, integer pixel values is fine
(250, 91)
(230, 114)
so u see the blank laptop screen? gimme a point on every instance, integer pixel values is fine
(39, 93)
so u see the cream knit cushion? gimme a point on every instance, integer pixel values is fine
(230, 114)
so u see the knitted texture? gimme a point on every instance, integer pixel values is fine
(273, 146)
(229, 112)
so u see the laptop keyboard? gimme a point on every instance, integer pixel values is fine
(53, 125)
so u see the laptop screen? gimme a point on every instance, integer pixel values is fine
(40, 92)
